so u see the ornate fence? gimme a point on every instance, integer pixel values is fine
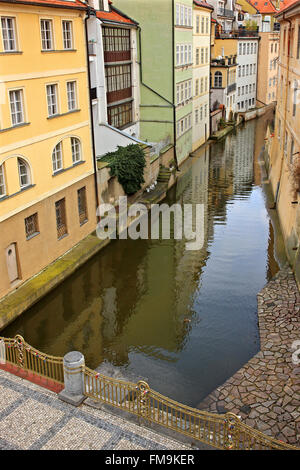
(17, 352)
(222, 431)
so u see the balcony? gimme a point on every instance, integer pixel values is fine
(231, 88)
(241, 33)
(225, 12)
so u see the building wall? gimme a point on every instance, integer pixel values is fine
(201, 39)
(156, 112)
(247, 72)
(284, 146)
(33, 141)
(267, 74)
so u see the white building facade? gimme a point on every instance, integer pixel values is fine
(114, 77)
(247, 72)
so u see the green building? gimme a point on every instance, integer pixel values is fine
(166, 56)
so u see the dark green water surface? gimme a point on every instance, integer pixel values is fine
(185, 320)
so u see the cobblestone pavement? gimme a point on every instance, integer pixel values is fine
(266, 391)
(32, 417)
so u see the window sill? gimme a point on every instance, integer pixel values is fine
(8, 196)
(32, 236)
(84, 222)
(63, 114)
(16, 126)
(58, 50)
(58, 172)
(63, 236)
(11, 52)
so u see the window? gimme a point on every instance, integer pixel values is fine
(206, 23)
(177, 14)
(24, 176)
(76, 149)
(206, 83)
(31, 226)
(201, 85)
(295, 98)
(196, 116)
(8, 34)
(61, 223)
(243, 71)
(46, 33)
(116, 44)
(190, 53)
(197, 56)
(202, 25)
(206, 55)
(239, 91)
(240, 48)
(248, 48)
(197, 87)
(2, 181)
(218, 80)
(118, 82)
(239, 71)
(182, 54)
(244, 48)
(202, 55)
(197, 24)
(71, 95)
(292, 150)
(177, 54)
(52, 100)
(57, 161)
(120, 116)
(16, 107)
(82, 207)
(298, 44)
(67, 34)
(185, 53)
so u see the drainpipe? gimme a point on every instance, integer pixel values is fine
(91, 12)
(173, 80)
(285, 111)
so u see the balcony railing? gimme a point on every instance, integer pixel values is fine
(225, 12)
(241, 33)
(231, 87)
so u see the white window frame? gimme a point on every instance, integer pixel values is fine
(50, 101)
(70, 39)
(16, 107)
(57, 157)
(10, 44)
(71, 99)
(24, 174)
(2, 181)
(44, 39)
(76, 150)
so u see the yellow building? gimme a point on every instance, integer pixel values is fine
(223, 72)
(47, 191)
(284, 146)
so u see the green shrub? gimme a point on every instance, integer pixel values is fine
(127, 164)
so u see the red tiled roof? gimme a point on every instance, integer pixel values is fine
(284, 4)
(50, 3)
(202, 3)
(263, 6)
(114, 16)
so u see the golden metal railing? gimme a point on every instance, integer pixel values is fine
(20, 354)
(223, 431)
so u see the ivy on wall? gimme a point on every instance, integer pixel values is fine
(127, 164)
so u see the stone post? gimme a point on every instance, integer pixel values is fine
(74, 378)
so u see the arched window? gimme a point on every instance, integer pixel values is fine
(57, 162)
(2, 181)
(24, 173)
(218, 80)
(76, 149)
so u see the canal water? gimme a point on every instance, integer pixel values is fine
(184, 320)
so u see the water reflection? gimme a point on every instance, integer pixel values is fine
(186, 320)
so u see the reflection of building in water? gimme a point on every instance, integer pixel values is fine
(243, 159)
(190, 263)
